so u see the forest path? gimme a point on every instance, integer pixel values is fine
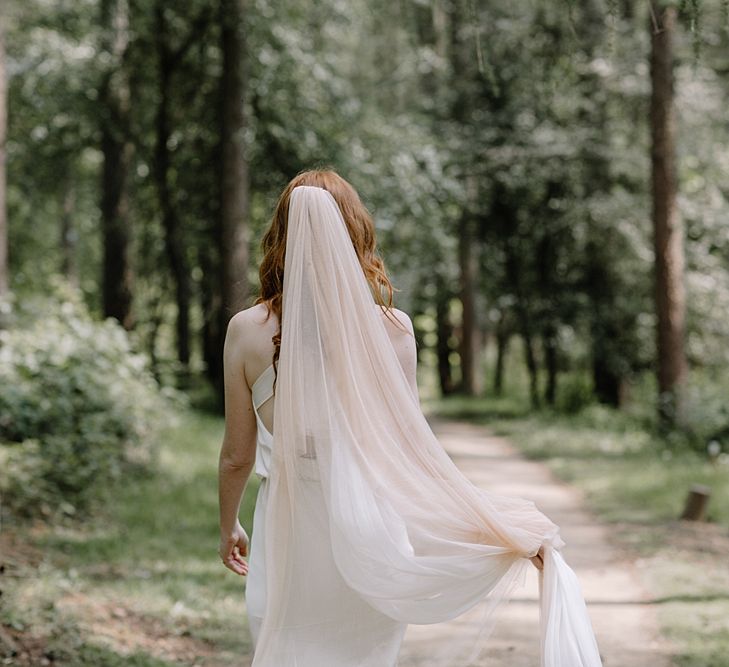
(622, 614)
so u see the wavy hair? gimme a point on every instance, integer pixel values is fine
(361, 230)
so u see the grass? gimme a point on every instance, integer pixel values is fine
(142, 583)
(636, 482)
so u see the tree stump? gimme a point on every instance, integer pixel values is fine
(696, 502)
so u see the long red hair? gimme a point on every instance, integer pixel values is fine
(361, 230)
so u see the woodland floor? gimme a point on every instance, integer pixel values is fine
(622, 612)
(144, 586)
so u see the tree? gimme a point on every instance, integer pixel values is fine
(233, 164)
(4, 272)
(464, 101)
(470, 339)
(168, 62)
(670, 300)
(117, 150)
(233, 222)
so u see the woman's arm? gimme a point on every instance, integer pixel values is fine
(238, 450)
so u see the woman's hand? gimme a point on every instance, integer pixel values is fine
(538, 559)
(232, 549)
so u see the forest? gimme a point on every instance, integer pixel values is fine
(549, 181)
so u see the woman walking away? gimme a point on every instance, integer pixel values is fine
(363, 523)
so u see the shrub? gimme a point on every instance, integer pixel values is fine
(574, 394)
(706, 417)
(78, 408)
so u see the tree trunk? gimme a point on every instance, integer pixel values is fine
(549, 341)
(470, 344)
(4, 270)
(468, 267)
(444, 331)
(548, 287)
(503, 336)
(174, 242)
(531, 359)
(234, 166)
(461, 60)
(667, 227)
(233, 224)
(212, 338)
(117, 150)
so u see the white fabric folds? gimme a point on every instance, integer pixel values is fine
(370, 526)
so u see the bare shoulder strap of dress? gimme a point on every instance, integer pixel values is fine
(262, 388)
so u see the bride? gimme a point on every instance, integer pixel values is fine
(362, 524)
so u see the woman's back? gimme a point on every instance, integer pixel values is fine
(259, 352)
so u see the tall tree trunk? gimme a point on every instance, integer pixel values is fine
(667, 228)
(212, 337)
(529, 354)
(174, 242)
(467, 285)
(549, 341)
(234, 177)
(233, 237)
(4, 270)
(463, 101)
(444, 331)
(546, 267)
(117, 150)
(503, 336)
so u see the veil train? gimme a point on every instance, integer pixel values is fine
(370, 525)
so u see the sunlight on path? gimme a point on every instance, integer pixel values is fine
(624, 621)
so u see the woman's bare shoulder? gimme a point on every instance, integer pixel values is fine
(252, 321)
(402, 317)
(250, 328)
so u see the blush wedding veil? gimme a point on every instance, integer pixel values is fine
(359, 480)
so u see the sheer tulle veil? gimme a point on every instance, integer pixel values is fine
(416, 540)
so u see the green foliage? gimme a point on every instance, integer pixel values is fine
(706, 420)
(78, 407)
(575, 393)
(145, 569)
(530, 119)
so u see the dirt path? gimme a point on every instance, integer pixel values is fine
(619, 606)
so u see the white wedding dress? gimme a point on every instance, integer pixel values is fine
(363, 523)
(329, 637)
